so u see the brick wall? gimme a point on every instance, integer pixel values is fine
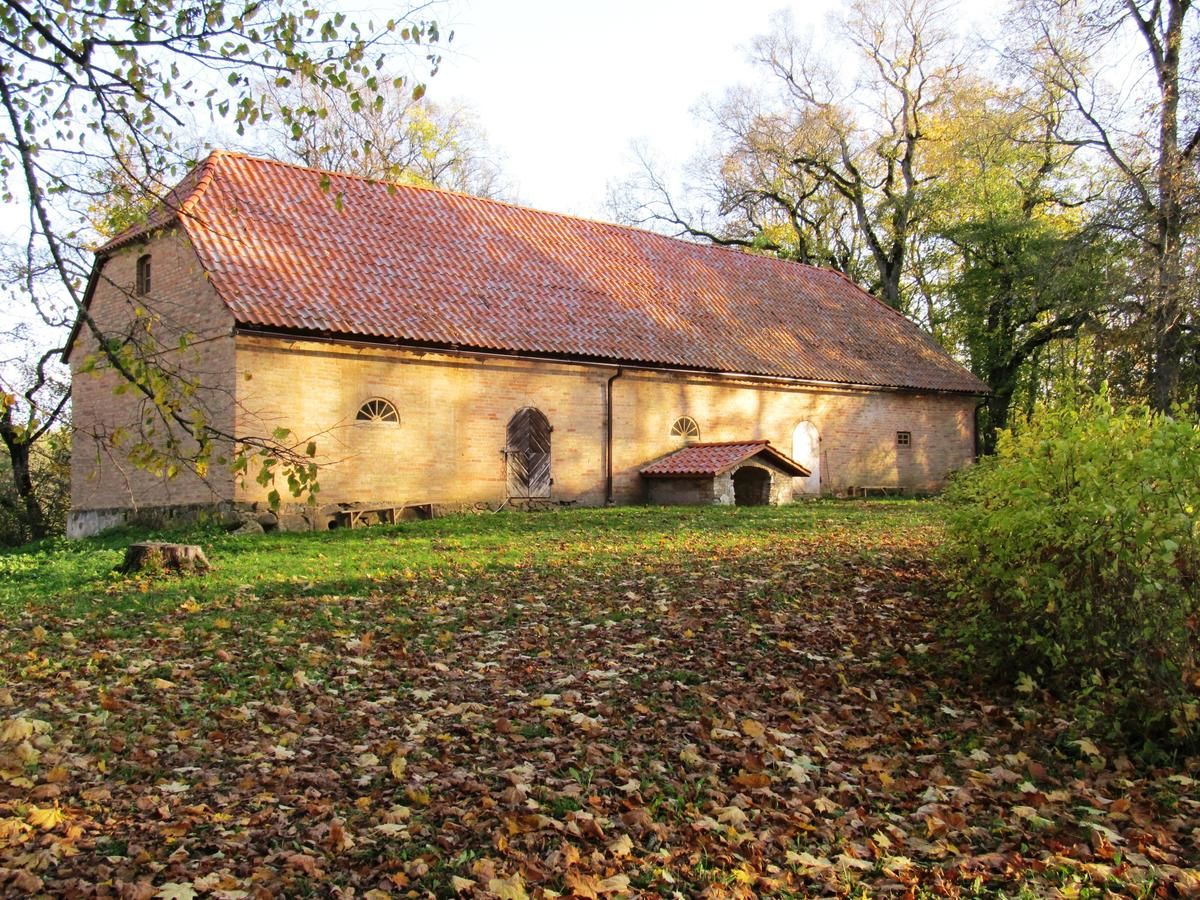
(454, 410)
(180, 302)
(857, 428)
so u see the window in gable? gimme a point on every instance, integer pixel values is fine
(378, 410)
(903, 438)
(142, 284)
(686, 428)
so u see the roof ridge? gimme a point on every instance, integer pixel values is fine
(726, 443)
(510, 204)
(209, 166)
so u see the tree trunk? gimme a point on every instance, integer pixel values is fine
(1166, 316)
(999, 403)
(169, 557)
(18, 454)
(1168, 352)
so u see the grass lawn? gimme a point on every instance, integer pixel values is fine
(595, 703)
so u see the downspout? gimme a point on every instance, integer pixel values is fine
(608, 450)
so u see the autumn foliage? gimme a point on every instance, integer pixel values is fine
(1078, 548)
(612, 703)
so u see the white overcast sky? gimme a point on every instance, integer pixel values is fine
(564, 88)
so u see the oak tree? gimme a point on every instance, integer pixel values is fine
(97, 90)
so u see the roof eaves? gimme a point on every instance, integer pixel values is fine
(85, 304)
(783, 461)
(257, 329)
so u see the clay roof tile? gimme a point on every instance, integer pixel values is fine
(708, 460)
(292, 248)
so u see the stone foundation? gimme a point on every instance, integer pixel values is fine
(289, 517)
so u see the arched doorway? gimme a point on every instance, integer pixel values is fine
(751, 486)
(527, 454)
(806, 450)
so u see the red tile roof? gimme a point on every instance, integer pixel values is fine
(712, 459)
(296, 249)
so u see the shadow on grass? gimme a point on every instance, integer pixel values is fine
(76, 579)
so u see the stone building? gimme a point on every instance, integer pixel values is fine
(444, 350)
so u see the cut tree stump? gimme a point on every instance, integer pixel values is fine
(170, 557)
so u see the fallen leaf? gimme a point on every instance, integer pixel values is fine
(45, 818)
(752, 728)
(398, 765)
(24, 880)
(509, 888)
(620, 846)
(614, 884)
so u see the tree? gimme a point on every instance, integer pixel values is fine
(830, 171)
(35, 450)
(383, 133)
(108, 86)
(1150, 137)
(1020, 263)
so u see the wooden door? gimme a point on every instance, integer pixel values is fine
(528, 454)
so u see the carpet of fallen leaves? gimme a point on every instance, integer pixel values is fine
(722, 705)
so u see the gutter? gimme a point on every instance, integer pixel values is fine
(608, 421)
(456, 350)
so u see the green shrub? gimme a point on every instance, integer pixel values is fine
(1077, 552)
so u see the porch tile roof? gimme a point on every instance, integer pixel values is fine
(709, 460)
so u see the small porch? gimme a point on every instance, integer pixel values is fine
(727, 473)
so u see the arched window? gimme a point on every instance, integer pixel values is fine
(377, 410)
(142, 283)
(686, 428)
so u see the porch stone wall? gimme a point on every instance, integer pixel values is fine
(683, 491)
(717, 491)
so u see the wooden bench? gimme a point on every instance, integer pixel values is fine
(879, 490)
(387, 515)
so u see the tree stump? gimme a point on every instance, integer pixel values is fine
(163, 556)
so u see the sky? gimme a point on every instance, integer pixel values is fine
(563, 89)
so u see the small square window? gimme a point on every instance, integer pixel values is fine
(142, 285)
(903, 438)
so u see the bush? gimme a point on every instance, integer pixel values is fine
(1077, 552)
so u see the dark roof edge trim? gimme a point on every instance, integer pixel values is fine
(84, 305)
(300, 334)
(782, 461)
